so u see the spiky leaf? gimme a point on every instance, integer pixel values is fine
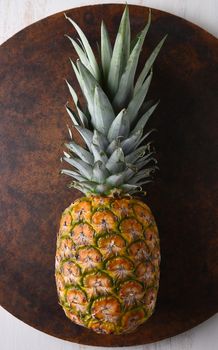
(125, 88)
(129, 144)
(103, 114)
(80, 152)
(98, 153)
(148, 65)
(100, 173)
(138, 99)
(120, 53)
(88, 49)
(73, 174)
(82, 55)
(72, 115)
(115, 180)
(143, 120)
(106, 50)
(99, 140)
(83, 117)
(86, 134)
(116, 162)
(83, 168)
(119, 127)
(89, 85)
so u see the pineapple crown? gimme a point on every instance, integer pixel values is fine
(117, 155)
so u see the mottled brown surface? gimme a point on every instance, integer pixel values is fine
(33, 66)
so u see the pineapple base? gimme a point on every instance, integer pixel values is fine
(107, 263)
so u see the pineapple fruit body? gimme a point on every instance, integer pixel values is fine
(107, 263)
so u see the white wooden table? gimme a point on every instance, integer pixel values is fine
(14, 16)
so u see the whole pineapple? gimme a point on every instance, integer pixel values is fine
(108, 254)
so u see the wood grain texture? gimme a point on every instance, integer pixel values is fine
(41, 7)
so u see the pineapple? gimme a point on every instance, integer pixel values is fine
(108, 253)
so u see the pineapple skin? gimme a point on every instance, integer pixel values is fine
(108, 263)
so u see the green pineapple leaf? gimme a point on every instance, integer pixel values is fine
(83, 117)
(129, 144)
(83, 168)
(100, 173)
(120, 53)
(144, 137)
(83, 186)
(143, 120)
(99, 140)
(88, 49)
(98, 154)
(135, 155)
(138, 99)
(89, 84)
(143, 162)
(86, 134)
(78, 77)
(116, 162)
(72, 115)
(103, 114)
(148, 65)
(82, 55)
(119, 126)
(73, 174)
(115, 180)
(129, 188)
(106, 50)
(112, 146)
(125, 89)
(80, 152)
